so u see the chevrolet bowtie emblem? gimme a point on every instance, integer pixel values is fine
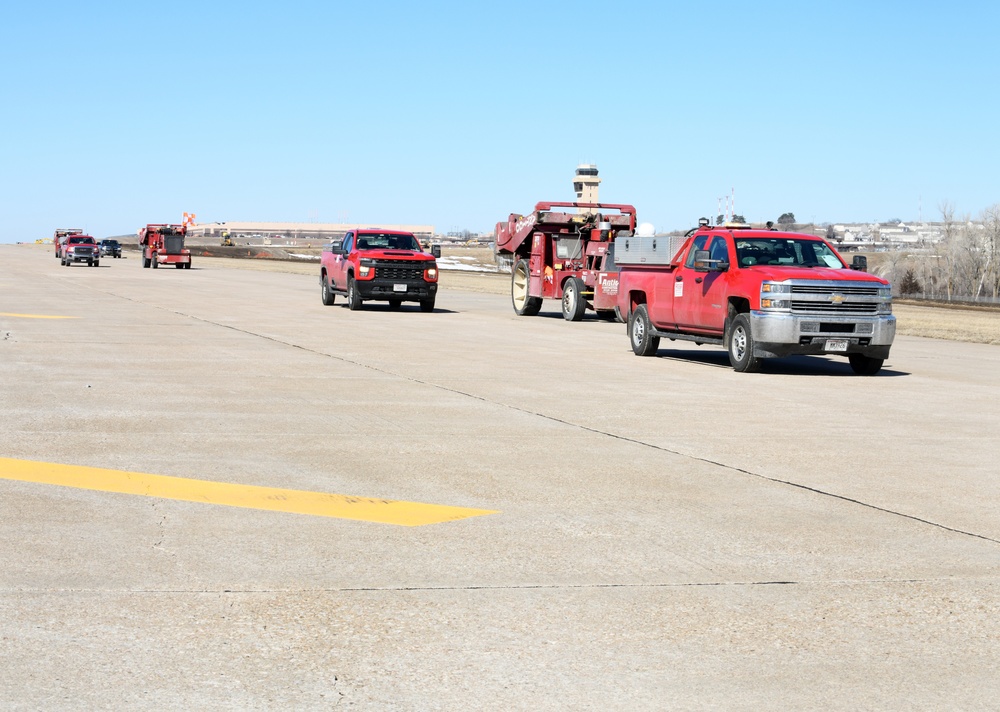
(837, 298)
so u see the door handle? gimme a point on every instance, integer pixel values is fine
(698, 280)
(679, 278)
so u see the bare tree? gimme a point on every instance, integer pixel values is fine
(990, 277)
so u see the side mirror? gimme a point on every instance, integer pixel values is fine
(702, 263)
(859, 263)
(436, 251)
(337, 247)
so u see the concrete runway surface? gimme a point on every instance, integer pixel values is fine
(659, 533)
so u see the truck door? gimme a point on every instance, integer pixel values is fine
(703, 305)
(339, 270)
(686, 285)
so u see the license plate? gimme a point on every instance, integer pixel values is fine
(402, 288)
(836, 344)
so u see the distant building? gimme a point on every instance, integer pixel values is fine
(324, 232)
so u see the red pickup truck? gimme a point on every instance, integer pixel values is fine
(79, 248)
(373, 264)
(759, 293)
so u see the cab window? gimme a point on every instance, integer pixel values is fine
(697, 244)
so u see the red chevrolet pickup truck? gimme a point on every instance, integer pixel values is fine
(374, 264)
(759, 293)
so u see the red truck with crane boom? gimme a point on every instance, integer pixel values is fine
(566, 255)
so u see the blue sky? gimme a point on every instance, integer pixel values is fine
(457, 114)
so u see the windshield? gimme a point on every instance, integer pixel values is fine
(81, 241)
(387, 241)
(786, 252)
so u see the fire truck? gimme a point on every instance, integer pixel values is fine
(564, 254)
(164, 245)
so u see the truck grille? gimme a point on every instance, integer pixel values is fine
(400, 270)
(835, 298)
(806, 307)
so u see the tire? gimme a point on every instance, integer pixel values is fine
(520, 278)
(865, 365)
(395, 304)
(640, 332)
(353, 298)
(427, 305)
(97, 263)
(178, 265)
(574, 306)
(154, 263)
(739, 344)
(187, 265)
(325, 293)
(145, 261)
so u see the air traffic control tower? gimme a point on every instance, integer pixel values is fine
(586, 183)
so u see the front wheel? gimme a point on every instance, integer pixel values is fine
(395, 304)
(427, 305)
(740, 345)
(145, 261)
(865, 365)
(640, 332)
(153, 262)
(520, 278)
(573, 304)
(353, 297)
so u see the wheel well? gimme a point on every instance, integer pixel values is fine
(635, 299)
(739, 305)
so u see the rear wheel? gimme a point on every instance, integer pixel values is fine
(640, 333)
(520, 277)
(865, 365)
(353, 297)
(427, 305)
(153, 262)
(97, 263)
(740, 345)
(145, 261)
(573, 304)
(179, 265)
(325, 293)
(187, 265)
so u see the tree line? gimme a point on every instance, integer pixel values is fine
(963, 264)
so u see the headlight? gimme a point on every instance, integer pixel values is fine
(364, 269)
(431, 273)
(775, 288)
(885, 292)
(775, 303)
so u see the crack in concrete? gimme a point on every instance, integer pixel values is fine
(586, 428)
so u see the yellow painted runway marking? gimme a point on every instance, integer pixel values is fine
(37, 316)
(383, 511)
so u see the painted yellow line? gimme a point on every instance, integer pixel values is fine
(37, 316)
(383, 511)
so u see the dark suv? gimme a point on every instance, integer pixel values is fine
(111, 248)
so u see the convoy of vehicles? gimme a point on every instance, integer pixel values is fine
(111, 248)
(758, 293)
(79, 248)
(164, 245)
(554, 254)
(378, 265)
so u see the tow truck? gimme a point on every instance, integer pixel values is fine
(558, 254)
